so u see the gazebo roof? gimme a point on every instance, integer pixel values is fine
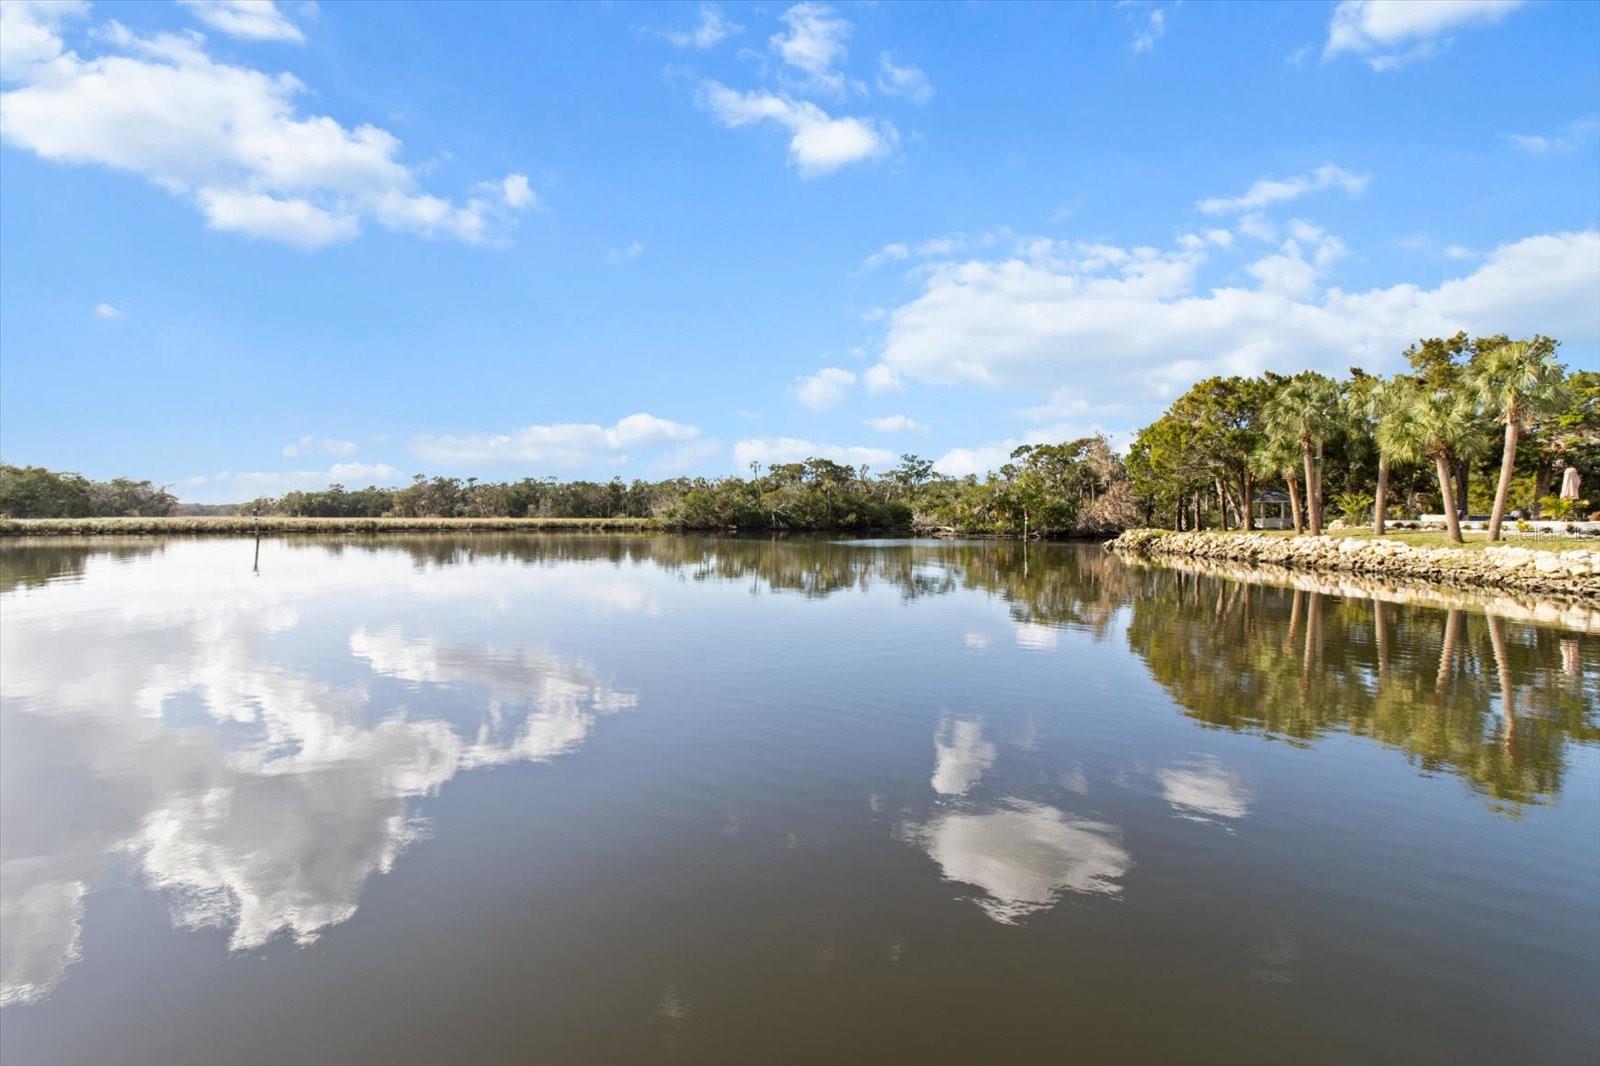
(1270, 496)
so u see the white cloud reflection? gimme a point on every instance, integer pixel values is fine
(259, 799)
(1036, 637)
(1024, 856)
(961, 756)
(1204, 789)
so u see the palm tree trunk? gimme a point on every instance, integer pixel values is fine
(1222, 504)
(1295, 605)
(1508, 466)
(1380, 502)
(1294, 501)
(1380, 636)
(1317, 488)
(1541, 481)
(1248, 511)
(1314, 512)
(1313, 647)
(1497, 639)
(1448, 496)
(1447, 653)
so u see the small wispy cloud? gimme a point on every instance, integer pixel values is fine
(907, 81)
(712, 29)
(1154, 28)
(814, 41)
(108, 312)
(896, 424)
(250, 20)
(309, 445)
(889, 253)
(1571, 137)
(1269, 191)
(625, 254)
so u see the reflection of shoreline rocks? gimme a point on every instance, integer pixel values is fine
(1570, 613)
(1570, 574)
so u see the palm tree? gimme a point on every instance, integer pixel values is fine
(1278, 457)
(1521, 380)
(1392, 407)
(1305, 412)
(1439, 425)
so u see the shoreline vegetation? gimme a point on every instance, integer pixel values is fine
(278, 525)
(1486, 425)
(1573, 572)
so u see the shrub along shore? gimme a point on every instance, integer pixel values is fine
(1574, 572)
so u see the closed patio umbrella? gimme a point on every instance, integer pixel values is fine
(1570, 481)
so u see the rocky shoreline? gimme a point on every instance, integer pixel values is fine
(1574, 573)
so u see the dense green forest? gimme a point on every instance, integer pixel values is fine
(1477, 425)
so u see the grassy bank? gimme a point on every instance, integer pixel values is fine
(274, 524)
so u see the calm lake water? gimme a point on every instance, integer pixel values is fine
(660, 799)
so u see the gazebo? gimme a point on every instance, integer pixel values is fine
(1271, 509)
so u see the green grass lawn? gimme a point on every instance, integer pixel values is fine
(1476, 539)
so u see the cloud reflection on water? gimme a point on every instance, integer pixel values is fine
(1024, 855)
(961, 756)
(257, 798)
(1203, 789)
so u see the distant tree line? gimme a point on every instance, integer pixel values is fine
(34, 492)
(1045, 490)
(1478, 426)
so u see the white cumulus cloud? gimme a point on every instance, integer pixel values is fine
(1135, 322)
(818, 142)
(1390, 33)
(229, 139)
(30, 33)
(770, 450)
(571, 445)
(238, 486)
(824, 389)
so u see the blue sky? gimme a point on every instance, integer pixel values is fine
(245, 248)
